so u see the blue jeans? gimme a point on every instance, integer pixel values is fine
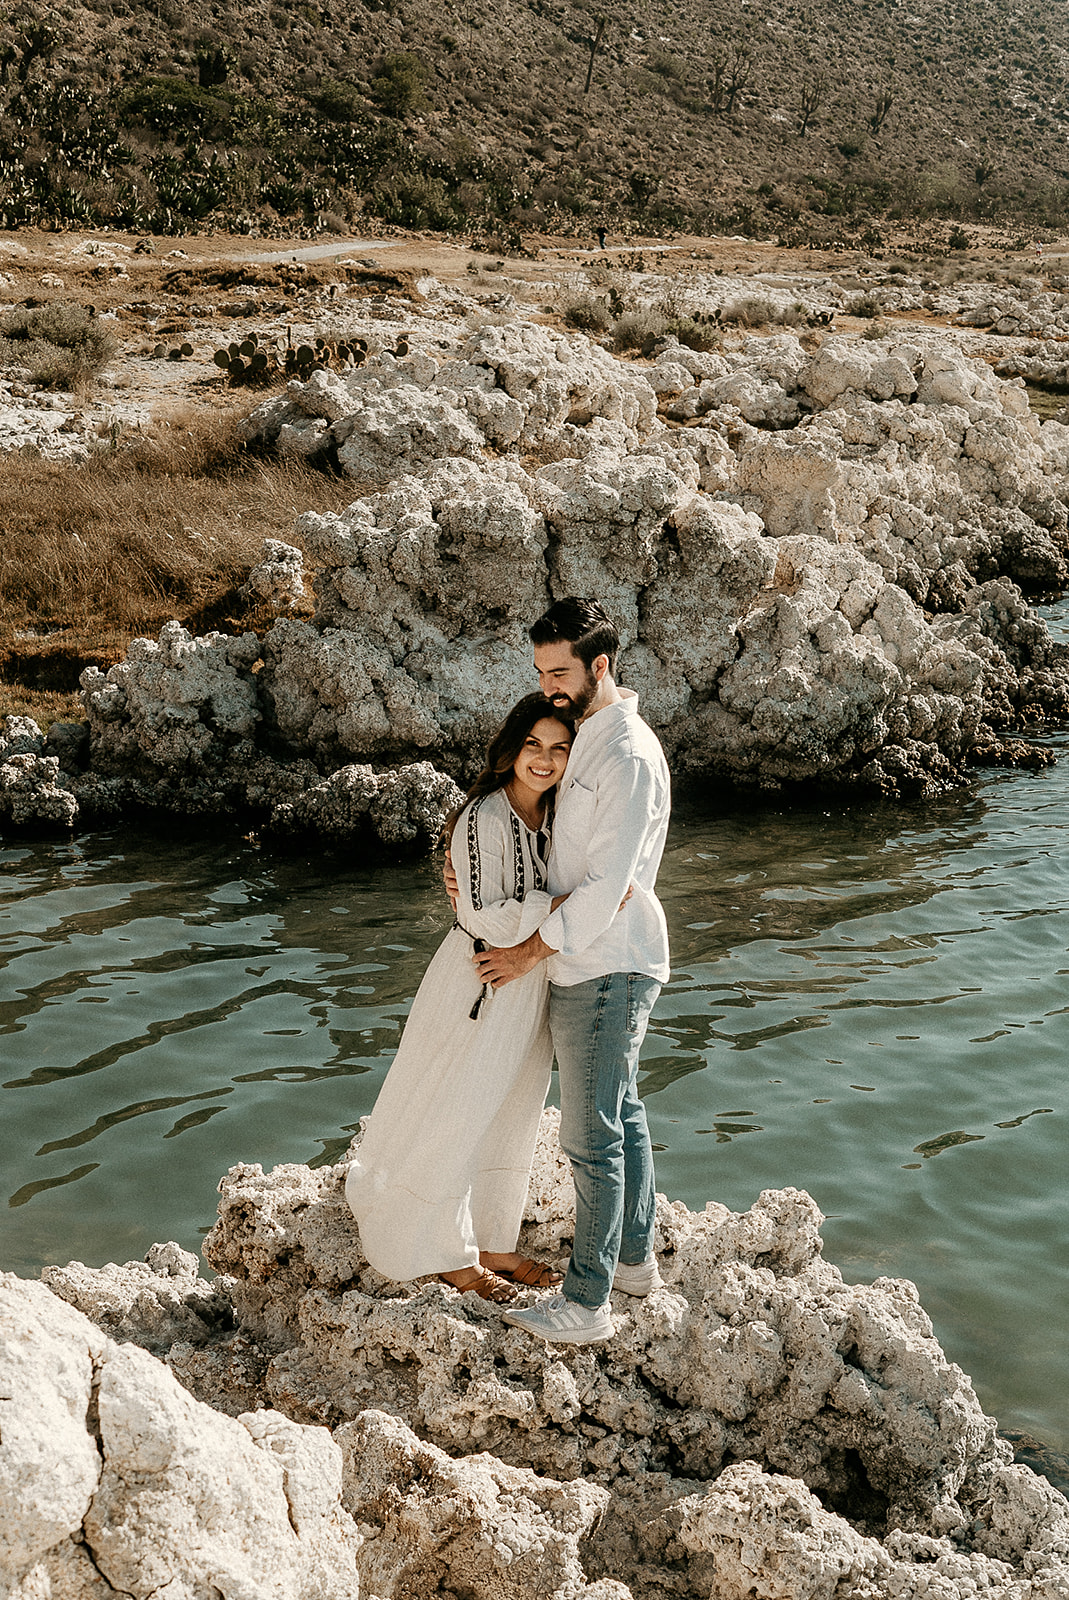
(597, 1030)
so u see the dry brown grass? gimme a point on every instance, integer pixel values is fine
(95, 554)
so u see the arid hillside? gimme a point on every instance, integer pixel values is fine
(788, 120)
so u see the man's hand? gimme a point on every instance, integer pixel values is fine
(497, 967)
(451, 887)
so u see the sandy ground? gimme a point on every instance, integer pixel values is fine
(160, 292)
(209, 289)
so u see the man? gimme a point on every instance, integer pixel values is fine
(607, 962)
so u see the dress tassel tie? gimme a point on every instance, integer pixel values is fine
(486, 992)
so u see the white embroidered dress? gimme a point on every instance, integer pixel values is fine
(442, 1170)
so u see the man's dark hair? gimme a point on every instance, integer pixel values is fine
(584, 624)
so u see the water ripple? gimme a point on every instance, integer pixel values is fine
(873, 988)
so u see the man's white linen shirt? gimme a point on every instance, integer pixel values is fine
(609, 830)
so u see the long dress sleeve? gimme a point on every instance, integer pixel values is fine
(499, 895)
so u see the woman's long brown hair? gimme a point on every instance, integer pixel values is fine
(504, 749)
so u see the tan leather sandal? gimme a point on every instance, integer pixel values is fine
(486, 1284)
(532, 1275)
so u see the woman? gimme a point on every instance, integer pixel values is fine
(440, 1178)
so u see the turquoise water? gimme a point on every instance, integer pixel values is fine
(869, 1004)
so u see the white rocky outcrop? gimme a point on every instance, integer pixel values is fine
(812, 545)
(756, 1428)
(277, 580)
(475, 1526)
(114, 1480)
(507, 385)
(157, 1302)
(771, 1539)
(179, 702)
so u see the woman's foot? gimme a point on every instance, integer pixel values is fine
(488, 1285)
(521, 1270)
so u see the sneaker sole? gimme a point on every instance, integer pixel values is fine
(580, 1336)
(573, 1336)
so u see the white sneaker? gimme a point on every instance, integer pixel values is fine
(561, 1321)
(638, 1280)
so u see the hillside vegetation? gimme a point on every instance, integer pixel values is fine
(800, 121)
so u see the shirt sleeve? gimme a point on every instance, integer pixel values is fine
(627, 798)
(482, 851)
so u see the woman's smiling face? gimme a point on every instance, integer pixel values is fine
(541, 762)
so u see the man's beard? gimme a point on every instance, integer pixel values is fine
(578, 705)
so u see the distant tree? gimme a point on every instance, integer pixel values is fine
(732, 67)
(643, 186)
(811, 96)
(213, 66)
(398, 83)
(885, 99)
(600, 22)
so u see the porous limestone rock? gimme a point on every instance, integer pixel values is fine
(49, 1465)
(403, 808)
(771, 1539)
(434, 1525)
(756, 1428)
(19, 736)
(278, 577)
(153, 1303)
(923, 487)
(755, 1348)
(189, 1497)
(813, 578)
(173, 728)
(114, 1480)
(33, 793)
(179, 703)
(506, 385)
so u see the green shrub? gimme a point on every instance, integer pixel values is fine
(339, 101)
(417, 201)
(172, 105)
(635, 328)
(398, 84)
(640, 330)
(62, 345)
(694, 333)
(665, 64)
(853, 145)
(877, 330)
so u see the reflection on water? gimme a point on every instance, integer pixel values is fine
(854, 994)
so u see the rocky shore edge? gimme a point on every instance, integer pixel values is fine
(300, 1427)
(822, 548)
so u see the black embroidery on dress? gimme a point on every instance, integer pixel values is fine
(541, 849)
(473, 857)
(517, 859)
